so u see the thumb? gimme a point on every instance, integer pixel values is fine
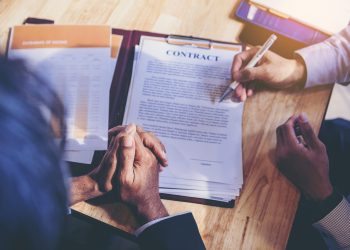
(307, 131)
(126, 158)
(247, 75)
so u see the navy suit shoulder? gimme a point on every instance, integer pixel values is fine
(174, 233)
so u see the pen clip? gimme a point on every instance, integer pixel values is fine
(189, 41)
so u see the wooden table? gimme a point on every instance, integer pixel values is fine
(263, 215)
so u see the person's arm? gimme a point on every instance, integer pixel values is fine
(139, 187)
(328, 61)
(305, 163)
(322, 63)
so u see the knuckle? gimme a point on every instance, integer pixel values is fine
(108, 186)
(143, 136)
(149, 143)
(237, 57)
(147, 139)
(139, 128)
(148, 158)
(119, 127)
(121, 134)
(151, 134)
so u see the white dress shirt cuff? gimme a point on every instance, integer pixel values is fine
(320, 64)
(335, 226)
(147, 225)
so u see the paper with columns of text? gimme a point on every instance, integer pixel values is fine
(79, 62)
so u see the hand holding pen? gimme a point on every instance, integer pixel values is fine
(252, 62)
(272, 70)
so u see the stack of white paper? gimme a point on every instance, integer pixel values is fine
(79, 62)
(174, 93)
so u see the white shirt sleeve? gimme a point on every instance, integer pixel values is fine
(335, 226)
(147, 225)
(328, 61)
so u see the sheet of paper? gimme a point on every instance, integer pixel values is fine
(339, 103)
(84, 157)
(197, 184)
(174, 93)
(218, 196)
(328, 16)
(76, 60)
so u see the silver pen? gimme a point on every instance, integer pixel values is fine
(261, 52)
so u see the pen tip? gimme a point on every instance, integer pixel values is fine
(227, 92)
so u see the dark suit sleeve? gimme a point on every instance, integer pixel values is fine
(174, 233)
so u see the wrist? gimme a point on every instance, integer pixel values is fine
(321, 208)
(151, 209)
(83, 188)
(299, 70)
(322, 193)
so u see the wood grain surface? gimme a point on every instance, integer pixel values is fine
(263, 215)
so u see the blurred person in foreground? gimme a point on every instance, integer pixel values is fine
(326, 202)
(36, 190)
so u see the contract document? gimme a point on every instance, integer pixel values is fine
(174, 93)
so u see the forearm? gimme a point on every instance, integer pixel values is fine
(83, 188)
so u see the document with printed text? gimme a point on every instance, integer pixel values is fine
(78, 61)
(174, 93)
